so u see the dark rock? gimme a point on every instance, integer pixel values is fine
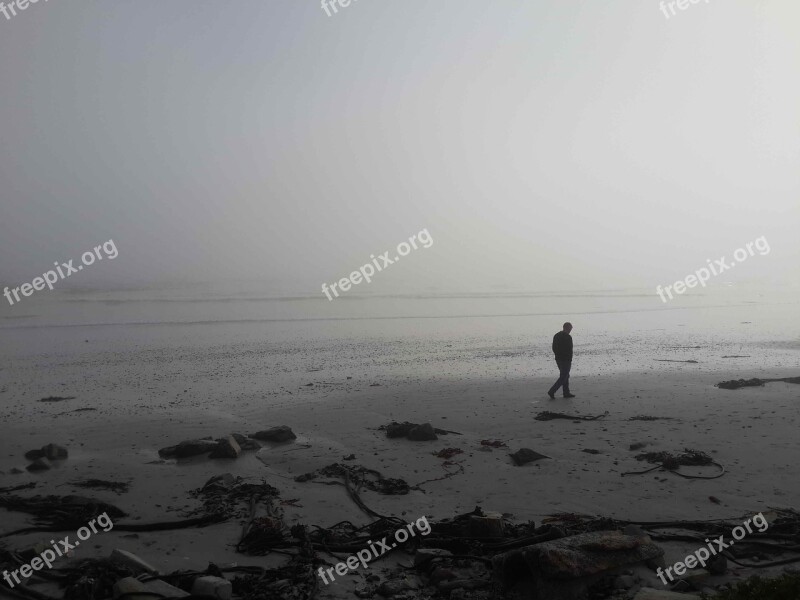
(525, 455)
(188, 449)
(397, 430)
(34, 454)
(40, 464)
(422, 433)
(590, 451)
(638, 446)
(226, 448)
(565, 568)
(717, 565)
(246, 443)
(280, 434)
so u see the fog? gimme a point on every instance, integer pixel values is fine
(544, 145)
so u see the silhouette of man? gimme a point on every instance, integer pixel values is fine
(562, 348)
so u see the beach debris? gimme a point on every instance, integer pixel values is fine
(549, 416)
(567, 567)
(735, 384)
(230, 497)
(421, 432)
(226, 448)
(493, 443)
(715, 500)
(359, 477)
(737, 356)
(131, 562)
(694, 362)
(590, 451)
(650, 418)
(424, 556)
(448, 453)
(279, 434)
(118, 487)
(526, 455)
(57, 398)
(215, 587)
(61, 513)
(131, 588)
(672, 462)
(50, 452)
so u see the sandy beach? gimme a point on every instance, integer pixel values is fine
(334, 400)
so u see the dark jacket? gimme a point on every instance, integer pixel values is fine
(562, 346)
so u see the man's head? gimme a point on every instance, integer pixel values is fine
(567, 327)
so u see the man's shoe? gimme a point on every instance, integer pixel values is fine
(569, 395)
(552, 395)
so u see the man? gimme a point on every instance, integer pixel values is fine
(562, 348)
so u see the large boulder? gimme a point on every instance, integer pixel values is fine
(280, 434)
(564, 568)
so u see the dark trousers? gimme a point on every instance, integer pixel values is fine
(563, 376)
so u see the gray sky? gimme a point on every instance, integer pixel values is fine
(544, 144)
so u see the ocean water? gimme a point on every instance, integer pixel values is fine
(161, 341)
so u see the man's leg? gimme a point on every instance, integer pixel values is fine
(559, 382)
(565, 367)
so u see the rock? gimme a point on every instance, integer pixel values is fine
(633, 530)
(485, 527)
(188, 449)
(653, 594)
(34, 454)
(396, 430)
(55, 452)
(17, 471)
(422, 433)
(246, 443)
(164, 590)
(391, 588)
(717, 565)
(40, 464)
(216, 587)
(638, 445)
(227, 448)
(466, 584)
(696, 578)
(590, 451)
(526, 455)
(565, 568)
(425, 555)
(131, 588)
(132, 562)
(280, 434)
(624, 582)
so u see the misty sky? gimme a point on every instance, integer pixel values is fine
(545, 145)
